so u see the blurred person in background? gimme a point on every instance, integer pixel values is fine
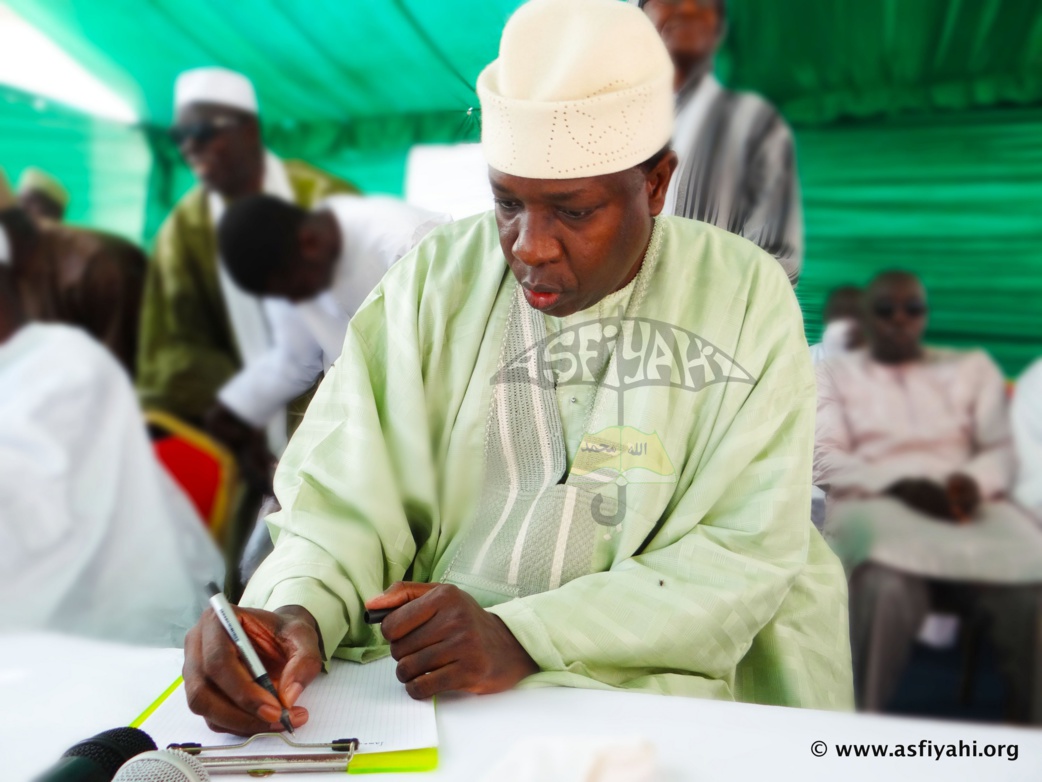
(42, 196)
(95, 539)
(7, 199)
(79, 277)
(313, 270)
(737, 158)
(1027, 433)
(842, 321)
(842, 333)
(913, 445)
(198, 327)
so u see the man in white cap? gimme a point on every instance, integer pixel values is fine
(198, 327)
(566, 443)
(95, 538)
(42, 196)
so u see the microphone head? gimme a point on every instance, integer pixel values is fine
(112, 748)
(164, 765)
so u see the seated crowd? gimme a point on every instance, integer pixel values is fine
(915, 450)
(572, 441)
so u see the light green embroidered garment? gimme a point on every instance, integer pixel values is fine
(652, 535)
(187, 349)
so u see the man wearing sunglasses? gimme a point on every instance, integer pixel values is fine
(198, 327)
(737, 165)
(913, 445)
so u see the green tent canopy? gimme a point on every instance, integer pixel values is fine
(916, 122)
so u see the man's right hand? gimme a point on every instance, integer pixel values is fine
(220, 687)
(924, 495)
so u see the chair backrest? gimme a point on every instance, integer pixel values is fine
(203, 468)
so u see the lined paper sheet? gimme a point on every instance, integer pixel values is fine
(366, 702)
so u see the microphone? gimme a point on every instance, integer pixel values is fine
(164, 765)
(98, 759)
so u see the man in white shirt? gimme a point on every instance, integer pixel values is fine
(842, 321)
(95, 538)
(314, 269)
(842, 333)
(913, 444)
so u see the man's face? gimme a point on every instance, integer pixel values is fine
(896, 318)
(303, 281)
(690, 29)
(571, 242)
(220, 145)
(40, 206)
(311, 271)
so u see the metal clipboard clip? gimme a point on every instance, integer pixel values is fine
(267, 763)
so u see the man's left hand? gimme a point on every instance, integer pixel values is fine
(444, 641)
(964, 495)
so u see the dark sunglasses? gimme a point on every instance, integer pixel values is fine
(886, 310)
(203, 132)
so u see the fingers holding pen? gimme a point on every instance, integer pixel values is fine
(223, 666)
(229, 704)
(219, 685)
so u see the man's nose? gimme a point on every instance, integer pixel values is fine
(901, 319)
(536, 243)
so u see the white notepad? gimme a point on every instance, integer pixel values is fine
(366, 702)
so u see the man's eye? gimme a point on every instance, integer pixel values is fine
(507, 205)
(576, 214)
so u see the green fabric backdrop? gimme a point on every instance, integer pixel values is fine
(957, 199)
(819, 60)
(916, 121)
(104, 165)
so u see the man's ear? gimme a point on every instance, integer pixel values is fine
(658, 179)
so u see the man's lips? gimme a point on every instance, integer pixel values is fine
(541, 297)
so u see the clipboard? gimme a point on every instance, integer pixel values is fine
(370, 692)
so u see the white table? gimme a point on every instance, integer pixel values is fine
(55, 691)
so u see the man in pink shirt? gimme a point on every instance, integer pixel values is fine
(913, 446)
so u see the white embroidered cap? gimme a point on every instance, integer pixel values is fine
(5, 248)
(581, 88)
(215, 85)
